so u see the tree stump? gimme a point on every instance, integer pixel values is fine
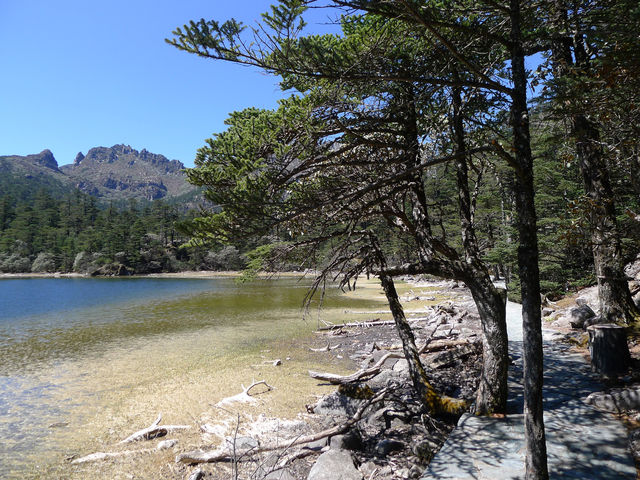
(608, 348)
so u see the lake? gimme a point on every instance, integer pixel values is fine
(82, 361)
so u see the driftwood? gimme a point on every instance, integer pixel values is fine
(373, 323)
(328, 348)
(96, 457)
(225, 455)
(269, 363)
(154, 430)
(245, 396)
(354, 377)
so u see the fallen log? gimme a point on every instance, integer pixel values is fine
(373, 323)
(225, 455)
(153, 431)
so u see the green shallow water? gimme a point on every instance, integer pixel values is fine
(87, 358)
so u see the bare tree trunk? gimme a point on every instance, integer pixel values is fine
(536, 449)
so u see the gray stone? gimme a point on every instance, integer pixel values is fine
(387, 445)
(401, 366)
(336, 404)
(632, 269)
(581, 314)
(636, 299)
(243, 443)
(597, 320)
(317, 445)
(349, 441)
(166, 444)
(282, 474)
(546, 311)
(334, 465)
(385, 378)
(616, 401)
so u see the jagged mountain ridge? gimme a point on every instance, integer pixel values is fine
(110, 173)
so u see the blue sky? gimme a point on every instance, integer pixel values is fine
(79, 74)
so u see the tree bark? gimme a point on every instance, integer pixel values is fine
(535, 444)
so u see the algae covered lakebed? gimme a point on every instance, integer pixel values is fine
(84, 362)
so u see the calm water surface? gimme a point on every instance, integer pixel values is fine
(72, 346)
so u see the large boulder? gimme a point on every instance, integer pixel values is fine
(580, 314)
(617, 400)
(333, 465)
(336, 404)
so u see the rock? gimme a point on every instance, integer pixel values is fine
(415, 471)
(546, 311)
(401, 366)
(349, 441)
(166, 444)
(368, 469)
(616, 401)
(243, 443)
(282, 474)
(588, 296)
(580, 314)
(597, 320)
(424, 449)
(634, 444)
(317, 445)
(632, 270)
(333, 465)
(387, 445)
(636, 299)
(336, 404)
(378, 354)
(385, 378)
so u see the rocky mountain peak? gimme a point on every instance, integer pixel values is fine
(79, 158)
(44, 158)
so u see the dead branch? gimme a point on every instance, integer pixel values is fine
(245, 396)
(224, 455)
(354, 377)
(154, 430)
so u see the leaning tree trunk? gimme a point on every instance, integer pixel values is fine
(535, 444)
(432, 401)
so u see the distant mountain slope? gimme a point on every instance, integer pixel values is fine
(22, 177)
(123, 172)
(116, 173)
